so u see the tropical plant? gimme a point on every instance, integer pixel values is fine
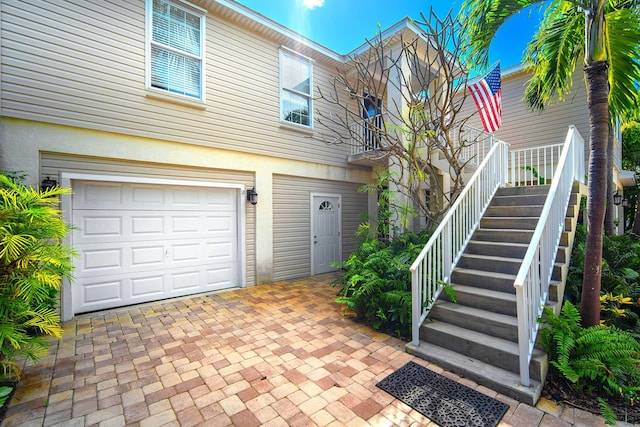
(620, 280)
(33, 261)
(376, 285)
(594, 359)
(631, 161)
(605, 34)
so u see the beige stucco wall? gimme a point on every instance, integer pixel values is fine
(23, 142)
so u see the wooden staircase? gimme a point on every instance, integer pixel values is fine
(477, 337)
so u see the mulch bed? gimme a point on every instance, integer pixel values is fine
(561, 391)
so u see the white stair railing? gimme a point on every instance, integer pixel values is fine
(433, 267)
(534, 277)
(534, 165)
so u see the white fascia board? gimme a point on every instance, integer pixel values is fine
(274, 26)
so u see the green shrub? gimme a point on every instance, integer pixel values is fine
(32, 263)
(377, 281)
(595, 359)
(620, 281)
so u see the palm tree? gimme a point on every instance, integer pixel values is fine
(606, 34)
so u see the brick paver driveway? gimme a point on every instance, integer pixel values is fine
(278, 355)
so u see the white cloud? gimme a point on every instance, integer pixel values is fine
(312, 4)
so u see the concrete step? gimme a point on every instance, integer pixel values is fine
(486, 348)
(535, 199)
(495, 378)
(484, 321)
(490, 263)
(493, 281)
(514, 211)
(499, 249)
(510, 223)
(484, 299)
(503, 235)
(523, 190)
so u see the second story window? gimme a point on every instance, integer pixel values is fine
(296, 89)
(175, 48)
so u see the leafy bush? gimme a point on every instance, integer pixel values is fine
(595, 359)
(377, 282)
(620, 282)
(32, 263)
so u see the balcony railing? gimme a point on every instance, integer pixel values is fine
(472, 144)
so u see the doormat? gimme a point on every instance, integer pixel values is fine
(441, 399)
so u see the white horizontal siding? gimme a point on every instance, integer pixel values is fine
(52, 164)
(81, 63)
(292, 223)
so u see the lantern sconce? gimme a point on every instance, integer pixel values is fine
(252, 196)
(48, 184)
(617, 198)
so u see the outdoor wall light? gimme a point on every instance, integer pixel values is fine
(48, 183)
(625, 203)
(252, 196)
(617, 199)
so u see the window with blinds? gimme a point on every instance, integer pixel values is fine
(176, 48)
(295, 88)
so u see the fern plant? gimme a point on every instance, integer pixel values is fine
(593, 359)
(376, 285)
(33, 261)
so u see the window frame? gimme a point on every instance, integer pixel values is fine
(284, 51)
(167, 94)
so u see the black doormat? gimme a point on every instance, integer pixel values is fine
(442, 400)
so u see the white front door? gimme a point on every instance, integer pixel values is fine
(326, 239)
(146, 242)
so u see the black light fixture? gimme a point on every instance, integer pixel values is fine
(617, 199)
(252, 196)
(625, 203)
(48, 183)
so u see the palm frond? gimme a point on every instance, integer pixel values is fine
(552, 55)
(482, 19)
(623, 45)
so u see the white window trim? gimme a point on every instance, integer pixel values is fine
(164, 94)
(285, 50)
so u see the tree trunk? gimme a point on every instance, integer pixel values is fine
(609, 218)
(598, 90)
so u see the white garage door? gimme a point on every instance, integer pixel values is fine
(143, 242)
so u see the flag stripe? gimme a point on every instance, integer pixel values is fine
(487, 94)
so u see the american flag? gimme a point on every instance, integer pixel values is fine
(487, 94)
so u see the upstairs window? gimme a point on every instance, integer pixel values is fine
(175, 48)
(296, 84)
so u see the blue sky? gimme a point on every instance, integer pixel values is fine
(343, 25)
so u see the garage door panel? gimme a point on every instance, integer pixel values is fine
(99, 195)
(221, 251)
(186, 224)
(185, 280)
(101, 261)
(146, 196)
(149, 287)
(219, 278)
(101, 292)
(146, 225)
(141, 243)
(219, 198)
(148, 256)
